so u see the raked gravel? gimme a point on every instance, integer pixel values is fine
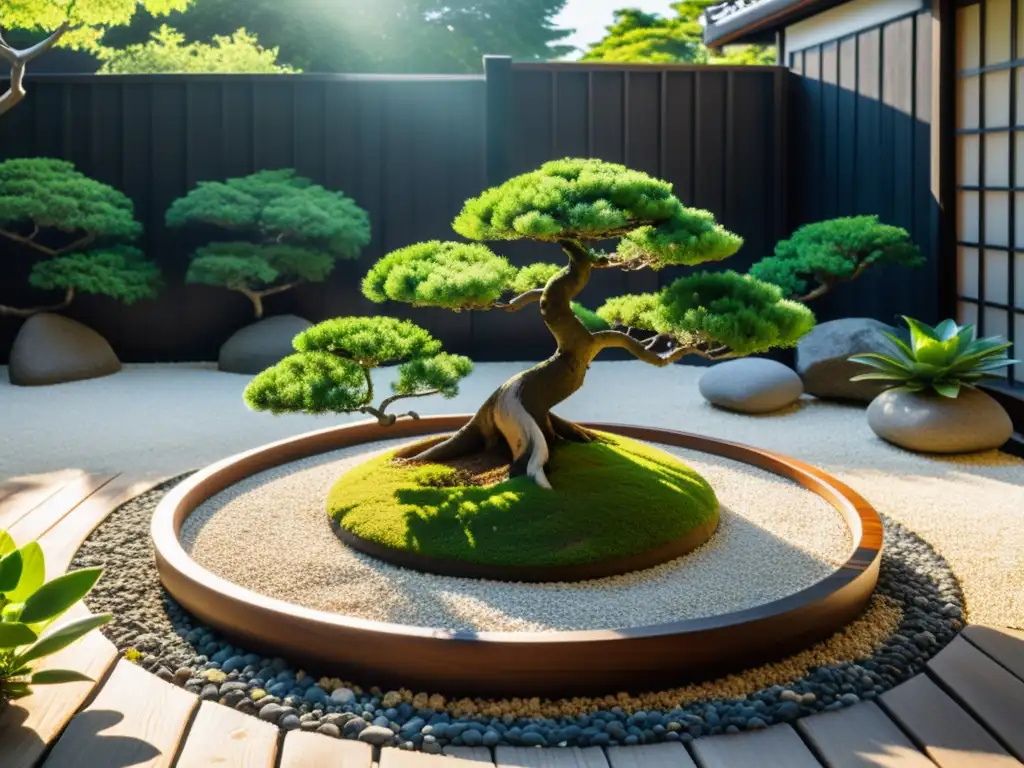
(774, 539)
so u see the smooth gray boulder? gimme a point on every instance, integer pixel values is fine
(821, 358)
(51, 349)
(261, 345)
(930, 423)
(751, 385)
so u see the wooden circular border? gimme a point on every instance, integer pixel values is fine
(533, 574)
(551, 664)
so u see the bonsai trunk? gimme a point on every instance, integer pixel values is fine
(517, 417)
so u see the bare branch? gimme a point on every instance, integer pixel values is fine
(18, 60)
(69, 294)
(30, 241)
(522, 300)
(639, 350)
(394, 398)
(827, 284)
(277, 289)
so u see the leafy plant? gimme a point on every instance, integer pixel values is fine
(288, 229)
(79, 228)
(28, 607)
(944, 358)
(833, 252)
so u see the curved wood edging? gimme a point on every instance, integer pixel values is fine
(551, 664)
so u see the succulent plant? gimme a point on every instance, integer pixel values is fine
(28, 606)
(944, 358)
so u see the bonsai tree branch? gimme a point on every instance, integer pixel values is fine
(18, 61)
(256, 297)
(69, 295)
(30, 241)
(825, 285)
(522, 300)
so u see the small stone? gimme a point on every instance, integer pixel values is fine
(756, 723)
(329, 729)
(376, 735)
(271, 713)
(491, 738)
(533, 739)
(210, 693)
(788, 711)
(232, 698)
(849, 699)
(924, 639)
(289, 723)
(472, 738)
(354, 727)
(789, 696)
(308, 725)
(342, 696)
(182, 675)
(165, 674)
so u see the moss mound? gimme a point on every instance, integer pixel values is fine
(612, 498)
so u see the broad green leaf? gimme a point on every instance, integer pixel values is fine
(947, 330)
(10, 571)
(20, 671)
(33, 572)
(964, 338)
(12, 612)
(968, 360)
(933, 353)
(919, 333)
(879, 377)
(876, 360)
(948, 389)
(55, 597)
(7, 544)
(53, 676)
(992, 365)
(62, 637)
(900, 345)
(17, 690)
(913, 386)
(15, 634)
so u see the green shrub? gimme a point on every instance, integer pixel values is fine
(29, 605)
(944, 359)
(833, 252)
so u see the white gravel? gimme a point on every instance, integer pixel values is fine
(167, 419)
(774, 539)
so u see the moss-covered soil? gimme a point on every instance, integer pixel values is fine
(611, 498)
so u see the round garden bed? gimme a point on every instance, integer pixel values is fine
(635, 657)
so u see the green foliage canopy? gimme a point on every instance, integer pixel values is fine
(296, 231)
(331, 371)
(835, 251)
(80, 228)
(167, 52)
(639, 37)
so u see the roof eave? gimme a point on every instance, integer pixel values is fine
(753, 24)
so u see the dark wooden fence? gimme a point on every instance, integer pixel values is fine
(410, 150)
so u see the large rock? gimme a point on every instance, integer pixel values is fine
(821, 358)
(261, 345)
(751, 385)
(51, 349)
(930, 423)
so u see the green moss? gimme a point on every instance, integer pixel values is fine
(611, 498)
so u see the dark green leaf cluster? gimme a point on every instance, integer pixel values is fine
(28, 606)
(52, 194)
(370, 341)
(441, 373)
(300, 229)
(121, 272)
(534, 276)
(834, 251)
(944, 358)
(570, 199)
(592, 321)
(331, 370)
(440, 274)
(716, 309)
(252, 266)
(691, 237)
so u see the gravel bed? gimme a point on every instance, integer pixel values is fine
(918, 608)
(764, 520)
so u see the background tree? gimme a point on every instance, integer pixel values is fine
(81, 229)
(72, 23)
(296, 231)
(167, 52)
(332, 369)
(576, 204)
(821, 256)
(640, 37)
(387, 36)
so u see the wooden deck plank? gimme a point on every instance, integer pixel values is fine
(30, 725)
(44, 517)
(315, 750)
(1004, 645)
(221, 736)
(65, 538)
(20, 495)
(136, 719)
(775, 747)
(531, 757)
(477, 754)
(861, 736)
(390, 757)
(948, 734)
(986, 689)
(666, 755)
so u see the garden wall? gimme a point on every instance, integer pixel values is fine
(410, 150)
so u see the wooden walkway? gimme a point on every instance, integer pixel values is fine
(965, 711)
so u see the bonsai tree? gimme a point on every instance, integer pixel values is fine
(290, 231)
(331, 370)
(80, 228)
(821, 256)
(574, 204)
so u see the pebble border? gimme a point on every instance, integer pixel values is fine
(153, 630)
